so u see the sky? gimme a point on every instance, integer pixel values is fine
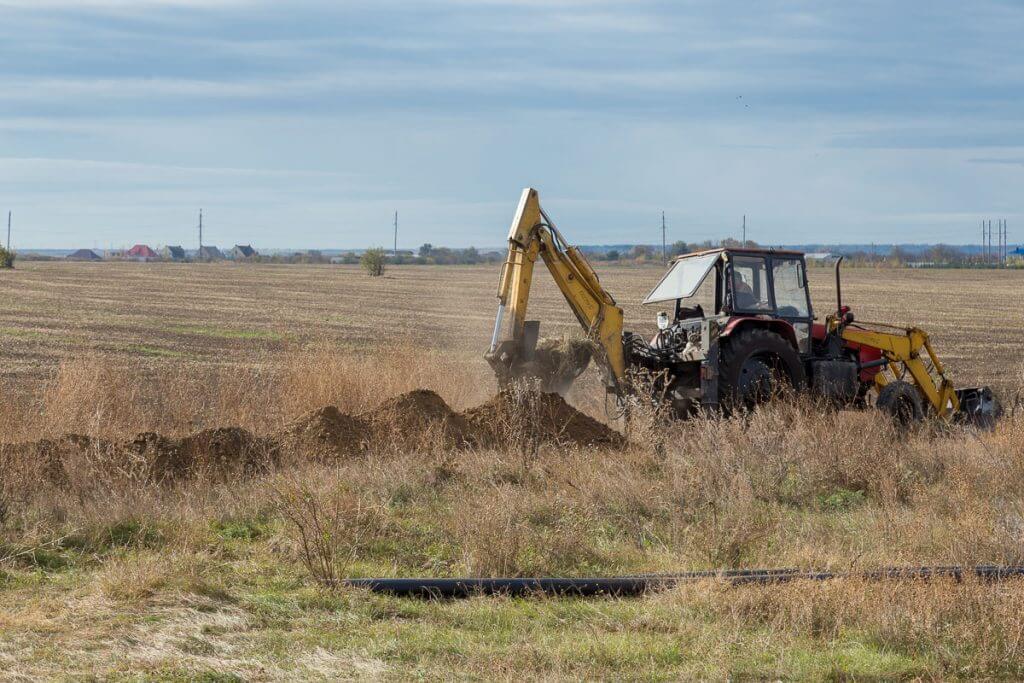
(308, 123)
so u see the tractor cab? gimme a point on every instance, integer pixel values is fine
(738, 287)
(741, 319)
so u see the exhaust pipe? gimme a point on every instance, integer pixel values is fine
(839, 290)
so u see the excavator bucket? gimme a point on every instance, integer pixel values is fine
(978, 406)
(553, 363)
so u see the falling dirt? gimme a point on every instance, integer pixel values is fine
(418, 419)
(558, 362)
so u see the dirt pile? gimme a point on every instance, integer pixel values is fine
(325, 435)
(214, 453)
(228, 450)
(547, 418)
(415, 420)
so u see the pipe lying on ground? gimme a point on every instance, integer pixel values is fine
(622, 586)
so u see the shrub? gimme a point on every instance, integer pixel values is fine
(329, 525)
(6, 258)
(373, 261)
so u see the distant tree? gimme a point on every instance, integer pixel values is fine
(612, 255)
(373, 261)
(426, 249)
(900, 255)
(6, 258)
(678, 248)
(641, 252)
(943, 253)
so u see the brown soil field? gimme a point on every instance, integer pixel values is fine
(231, 315)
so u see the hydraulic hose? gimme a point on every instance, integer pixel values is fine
(623, 586)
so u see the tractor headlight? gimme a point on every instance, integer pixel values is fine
(662, 320)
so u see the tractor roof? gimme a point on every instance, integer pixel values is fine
(741, 250)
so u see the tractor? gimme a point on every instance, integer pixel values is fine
(741, 330)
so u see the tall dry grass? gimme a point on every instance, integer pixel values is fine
(789, 485)
(91, 395)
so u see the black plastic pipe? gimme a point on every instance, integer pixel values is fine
(643, 583)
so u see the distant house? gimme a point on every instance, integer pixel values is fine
(173, 253)
(242, 252)
(141, 252)
(83, 255)
(209, 254)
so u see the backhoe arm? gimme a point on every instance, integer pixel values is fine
(533, 234)
(909, 347)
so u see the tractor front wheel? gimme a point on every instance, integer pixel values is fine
(901, 401)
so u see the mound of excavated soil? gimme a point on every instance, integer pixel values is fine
(162, 456)
(227, 450)
(416, 418)
(325, 435)
(547, 417)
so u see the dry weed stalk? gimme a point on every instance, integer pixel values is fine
(329, 524)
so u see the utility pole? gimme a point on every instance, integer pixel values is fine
(999, 227)
(988, 249)
(200, 230)
(664, 247)
(1002, 256)
(395, 252)
(8, 231)
(744, 242)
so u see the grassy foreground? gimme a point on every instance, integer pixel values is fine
(233, 610)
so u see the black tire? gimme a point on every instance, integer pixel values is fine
(901, 401)
(755, 365)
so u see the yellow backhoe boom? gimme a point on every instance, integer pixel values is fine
(909, 347)
(533, 234)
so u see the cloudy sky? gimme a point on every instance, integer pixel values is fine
(307, 123)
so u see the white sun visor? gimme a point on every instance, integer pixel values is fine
(683, 279)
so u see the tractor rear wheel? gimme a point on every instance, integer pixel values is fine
(755, 366)
(901, 401)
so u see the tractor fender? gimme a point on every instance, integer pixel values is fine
(780, 327)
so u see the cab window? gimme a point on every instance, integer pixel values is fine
(790, 292)
(750, 284)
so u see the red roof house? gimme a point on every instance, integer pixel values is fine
(142, 252)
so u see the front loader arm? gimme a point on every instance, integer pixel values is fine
(908, 349)
(533, 234)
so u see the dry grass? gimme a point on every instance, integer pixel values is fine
(112, 575)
